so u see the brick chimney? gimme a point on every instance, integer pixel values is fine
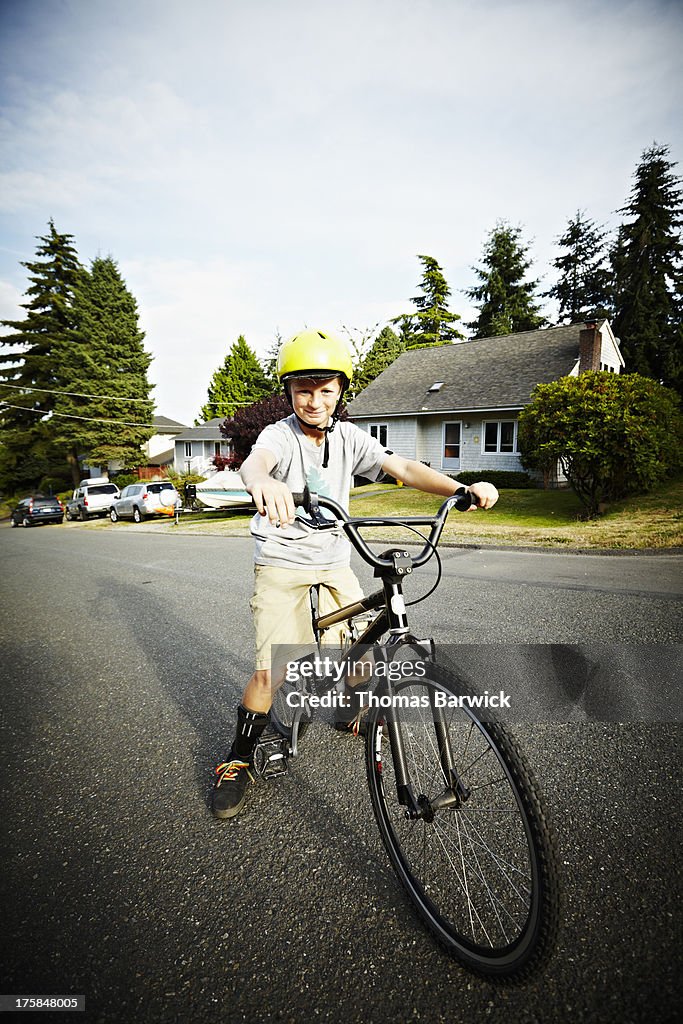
(590, 345)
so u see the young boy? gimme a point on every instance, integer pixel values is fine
(310, 447)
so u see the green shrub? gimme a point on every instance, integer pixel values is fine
(501, 478)
(180, 479)
(123, 479)
(54, 483)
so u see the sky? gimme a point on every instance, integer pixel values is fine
(256, 168)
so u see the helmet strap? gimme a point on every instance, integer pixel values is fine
(323, 430)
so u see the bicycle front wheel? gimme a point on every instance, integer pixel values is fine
(479, 862)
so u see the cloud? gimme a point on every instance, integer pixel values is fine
(262, 165)
(192, 313)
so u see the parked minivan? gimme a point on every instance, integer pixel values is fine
(144, 499)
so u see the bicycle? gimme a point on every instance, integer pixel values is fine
(457, 807)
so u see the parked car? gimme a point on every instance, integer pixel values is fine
(144, 499)
(91, 498)
(37, 509)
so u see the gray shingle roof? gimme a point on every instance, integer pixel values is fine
(166, 426)
(208, 431)
(490, 373)
(162, 458)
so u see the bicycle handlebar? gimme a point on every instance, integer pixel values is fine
(462, 500)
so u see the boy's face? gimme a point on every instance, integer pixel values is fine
(315, 400)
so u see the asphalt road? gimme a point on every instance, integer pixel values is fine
(124, 653)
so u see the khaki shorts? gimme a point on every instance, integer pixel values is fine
(282, 610)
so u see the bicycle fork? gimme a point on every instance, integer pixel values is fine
(455, 792)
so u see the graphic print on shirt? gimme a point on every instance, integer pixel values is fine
(316, 485)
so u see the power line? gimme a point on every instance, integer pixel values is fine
(77, 394)
(73, 416)
(88, 419)
(112, 398)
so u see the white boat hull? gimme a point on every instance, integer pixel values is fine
(223, 490)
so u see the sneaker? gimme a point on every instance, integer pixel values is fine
(230, 789)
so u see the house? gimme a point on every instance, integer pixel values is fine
(456, 407)
(196, 447)
(160, 449)
(157, 453)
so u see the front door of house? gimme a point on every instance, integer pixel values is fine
(451, 440)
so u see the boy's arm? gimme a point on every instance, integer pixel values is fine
(424, 478)
(271, 497)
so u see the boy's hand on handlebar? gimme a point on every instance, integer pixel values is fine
(486, 494)
(273, 499)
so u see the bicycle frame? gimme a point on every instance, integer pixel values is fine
(393, 566)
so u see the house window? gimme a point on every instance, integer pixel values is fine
(188, 449)
(500, 436)
(379, 432)
(451, 441)
(216, 448)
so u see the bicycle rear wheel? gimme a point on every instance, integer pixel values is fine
(481, 868)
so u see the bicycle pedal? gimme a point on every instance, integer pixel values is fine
(270, 755)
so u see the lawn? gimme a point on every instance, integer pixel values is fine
(521, 518)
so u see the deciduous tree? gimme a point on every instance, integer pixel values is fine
(243, 428)
(612, 434)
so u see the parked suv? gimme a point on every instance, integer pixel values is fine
(91, 498)
(35, 510)
(144, 499)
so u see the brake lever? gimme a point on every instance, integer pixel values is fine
(317, 521)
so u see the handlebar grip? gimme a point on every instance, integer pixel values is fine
(464, 499)
(300, 498)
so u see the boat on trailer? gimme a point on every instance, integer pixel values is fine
(223, 490)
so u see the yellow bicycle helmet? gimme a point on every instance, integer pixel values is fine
(314, 354)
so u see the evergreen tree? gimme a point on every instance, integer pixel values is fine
(507, 302)
(433, 323)
(239, 382)
(106, 361)
(386, 347)
(583, 288)
(269, 365)
(646, 261)
(37, 344)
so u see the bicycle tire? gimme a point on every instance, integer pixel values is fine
(482, 876)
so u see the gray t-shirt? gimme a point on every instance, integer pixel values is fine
(299, 460)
